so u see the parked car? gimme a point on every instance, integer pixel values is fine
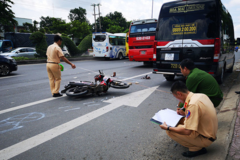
(7, 65)
(65, 52)
(21, 52)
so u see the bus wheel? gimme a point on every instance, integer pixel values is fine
(169, 77)
(120, 56)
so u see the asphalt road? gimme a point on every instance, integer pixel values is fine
(34, 125)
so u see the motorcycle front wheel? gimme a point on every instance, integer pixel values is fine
(119, 85)
(76, 91)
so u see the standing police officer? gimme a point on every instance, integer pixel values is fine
(54, 54)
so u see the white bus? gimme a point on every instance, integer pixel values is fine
(109, 45)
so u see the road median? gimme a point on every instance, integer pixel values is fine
(44, 60)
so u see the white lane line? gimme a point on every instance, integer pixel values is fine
(32, 142)
(137, 76)
(11, 76)
(29, 104)
(52, 98)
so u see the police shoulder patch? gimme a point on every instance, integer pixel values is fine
(188, 114)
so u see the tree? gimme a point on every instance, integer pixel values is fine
(79, 30)
(72, 48)
(28, 27)
(112, 20)
(85, 43)
(35, 28)
(78, 14)
(39, 39)
(7, 20)
(115, 29)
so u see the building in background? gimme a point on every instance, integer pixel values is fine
(17, 28)
(20, 21)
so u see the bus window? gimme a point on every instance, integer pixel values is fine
(169, 28)
(99, 38)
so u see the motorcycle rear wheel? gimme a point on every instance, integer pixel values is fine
(119, 85)
(72, 93)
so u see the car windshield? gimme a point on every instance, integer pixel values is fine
(0, 44)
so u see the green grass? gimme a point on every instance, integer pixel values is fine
(25, 58)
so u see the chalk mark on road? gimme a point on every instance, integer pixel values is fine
(15, 122)
(72, 109)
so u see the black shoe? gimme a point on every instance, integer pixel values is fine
(193, 154)
(57, 95)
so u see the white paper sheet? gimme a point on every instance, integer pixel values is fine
(167, 115)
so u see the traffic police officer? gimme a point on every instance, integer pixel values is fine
(54, 54)
(200, 126)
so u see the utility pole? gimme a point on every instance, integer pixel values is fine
(152, 8)
(100, 28)
(94, 5)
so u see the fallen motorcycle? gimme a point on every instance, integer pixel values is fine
(101, 85)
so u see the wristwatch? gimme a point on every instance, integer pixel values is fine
(168, 128)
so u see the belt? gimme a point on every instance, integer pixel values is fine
(211, 139)
(53, 62)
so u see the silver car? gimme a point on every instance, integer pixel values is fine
(21, 52)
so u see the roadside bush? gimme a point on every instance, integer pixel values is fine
(72, 48)
(20, 58)
(39, 39)
(85, 43)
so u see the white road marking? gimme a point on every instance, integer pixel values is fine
(137, 76)
(29, 104)
(133, 99)
(50, 99)
(11, 76)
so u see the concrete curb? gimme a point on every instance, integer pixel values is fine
(44, 61)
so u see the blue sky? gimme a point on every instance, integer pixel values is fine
(131, 9)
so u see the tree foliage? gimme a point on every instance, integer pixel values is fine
(79, 29)
(78, 14)
(7, 20)
(39, 39)
(114, 22)
(72, 48)
(85, 43)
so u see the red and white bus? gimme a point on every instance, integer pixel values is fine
(141, 40)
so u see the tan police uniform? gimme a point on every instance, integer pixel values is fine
(54, 52)
(201, 118)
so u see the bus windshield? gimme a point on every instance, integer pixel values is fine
(141, 28)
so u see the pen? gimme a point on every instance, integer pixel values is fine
(182, 108)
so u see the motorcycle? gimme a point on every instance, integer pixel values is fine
(101, 85)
